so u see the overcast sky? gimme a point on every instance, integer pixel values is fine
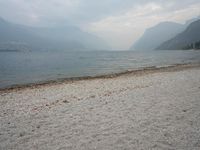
(119, 22)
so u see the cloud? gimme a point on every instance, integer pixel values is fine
(120, 22)
(75, 11)
(122, 30)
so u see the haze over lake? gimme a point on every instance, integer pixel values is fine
(100, 74)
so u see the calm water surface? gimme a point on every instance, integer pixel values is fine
(30, 67)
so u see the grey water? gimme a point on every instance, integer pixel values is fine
(30, 67)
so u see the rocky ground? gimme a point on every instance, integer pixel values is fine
(157, 110)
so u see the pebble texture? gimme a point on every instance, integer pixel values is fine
(153, 111)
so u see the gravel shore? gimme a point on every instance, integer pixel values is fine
(152, 110)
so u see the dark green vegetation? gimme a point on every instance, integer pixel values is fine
(18, 37)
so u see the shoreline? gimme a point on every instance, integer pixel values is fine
(140, 71)
(154, 108)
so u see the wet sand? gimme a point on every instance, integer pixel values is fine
(154, 108)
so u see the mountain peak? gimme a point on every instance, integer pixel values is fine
(157, 34)
(167, 23)
(48, 38)
(188, 22)
(187, 37)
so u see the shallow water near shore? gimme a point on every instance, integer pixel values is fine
(31, 67)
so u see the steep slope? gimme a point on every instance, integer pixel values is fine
(188, 22)
(156, 35)
(189, 36)
(14, 36)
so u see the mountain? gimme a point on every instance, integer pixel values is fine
(188, 22)
(182, 40)
(19, 37)
(156, 35)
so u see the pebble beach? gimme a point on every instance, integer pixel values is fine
(154, 109)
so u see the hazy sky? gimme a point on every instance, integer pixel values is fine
(119, 22)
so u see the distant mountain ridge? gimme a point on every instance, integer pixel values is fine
(156, 35)
(182, 40)
(57, 38)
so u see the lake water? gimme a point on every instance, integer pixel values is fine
(30, 67)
